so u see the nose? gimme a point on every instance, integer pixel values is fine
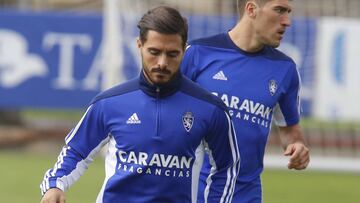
(286, 20)
(162, 61)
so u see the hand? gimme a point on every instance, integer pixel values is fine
(299, 156)
(54, 195)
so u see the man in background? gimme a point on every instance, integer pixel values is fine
(258, 83)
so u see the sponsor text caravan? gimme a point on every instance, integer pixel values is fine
(247, 110)
(154, 164)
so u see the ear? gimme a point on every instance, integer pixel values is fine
(251, 9)
(138, 43)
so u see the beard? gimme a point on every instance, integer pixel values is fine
(166, 75)
(159, 70)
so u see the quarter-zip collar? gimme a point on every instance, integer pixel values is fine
(160, 90)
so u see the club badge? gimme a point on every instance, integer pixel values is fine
(272, 87)
(188, 121)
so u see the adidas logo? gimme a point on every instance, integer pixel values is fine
(134, 119)
(220, 76)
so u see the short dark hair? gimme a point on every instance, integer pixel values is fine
(241, 5)
(165, 20)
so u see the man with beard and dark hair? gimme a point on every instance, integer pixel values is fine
(158, 128)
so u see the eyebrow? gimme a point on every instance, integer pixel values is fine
(288, 9)
(168, 51)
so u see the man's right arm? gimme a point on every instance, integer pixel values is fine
(81, 146)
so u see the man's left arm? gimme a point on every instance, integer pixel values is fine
(221, 146)
(294, 146)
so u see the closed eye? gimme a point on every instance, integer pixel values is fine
(173, 54)
(153, 51)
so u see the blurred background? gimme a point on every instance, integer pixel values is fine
(55, 55)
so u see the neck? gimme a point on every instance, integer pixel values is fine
(146, 77)
(160, 90)
(243, 35)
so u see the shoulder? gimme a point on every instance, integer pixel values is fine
(208, 41)
(129, 86)
(203, 50)
(194, 90)
(216, 41)
(276, 54)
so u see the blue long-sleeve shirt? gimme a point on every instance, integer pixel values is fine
(157, 137)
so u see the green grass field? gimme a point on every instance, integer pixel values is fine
(22, 173)
(75, 115)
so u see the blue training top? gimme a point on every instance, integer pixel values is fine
(156, 137)
(255, 87)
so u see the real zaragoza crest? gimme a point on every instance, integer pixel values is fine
(188, 120)
(272, 87)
